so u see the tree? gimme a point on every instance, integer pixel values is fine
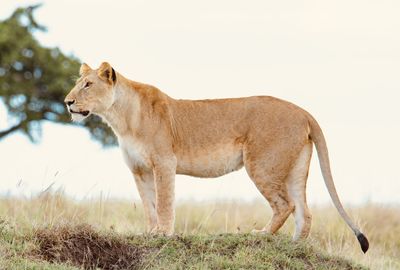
(34, 80)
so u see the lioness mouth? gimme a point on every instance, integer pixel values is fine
(84, 113)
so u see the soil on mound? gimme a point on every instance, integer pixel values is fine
(83, 247)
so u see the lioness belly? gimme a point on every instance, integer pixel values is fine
(211, 162)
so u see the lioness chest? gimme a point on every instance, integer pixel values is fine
(196, 161)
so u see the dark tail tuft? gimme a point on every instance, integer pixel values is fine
(363, 242)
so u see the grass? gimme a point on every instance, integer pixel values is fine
(48, 232)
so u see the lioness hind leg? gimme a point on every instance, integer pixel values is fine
(296, 186)
(281, 207)
(272, 186)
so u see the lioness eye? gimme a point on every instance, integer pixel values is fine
(87, 84)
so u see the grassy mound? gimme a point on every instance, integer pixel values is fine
(82, 247)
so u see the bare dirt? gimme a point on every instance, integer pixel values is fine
(83, 247)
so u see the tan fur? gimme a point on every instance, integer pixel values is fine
(160, 136)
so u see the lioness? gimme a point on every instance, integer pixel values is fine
(160, 136)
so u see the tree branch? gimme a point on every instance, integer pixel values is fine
(6, 132)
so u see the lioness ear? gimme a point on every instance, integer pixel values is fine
(84, 68)
(106, 72)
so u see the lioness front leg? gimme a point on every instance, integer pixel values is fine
(164, 177)
(147, 191)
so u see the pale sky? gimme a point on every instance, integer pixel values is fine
(340, 60)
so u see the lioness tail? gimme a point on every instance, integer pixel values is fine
(320, 144)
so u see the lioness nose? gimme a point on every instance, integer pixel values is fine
(70, 102)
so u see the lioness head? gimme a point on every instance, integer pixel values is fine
(92, 93)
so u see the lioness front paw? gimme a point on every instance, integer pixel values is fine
(255, 231)
(162, 231)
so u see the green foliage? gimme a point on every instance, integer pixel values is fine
(235, 251)
(34, 80)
